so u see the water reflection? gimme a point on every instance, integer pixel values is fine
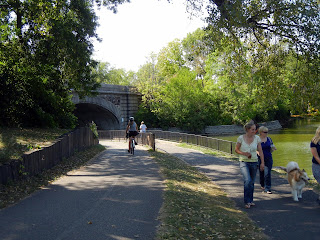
(293, 143)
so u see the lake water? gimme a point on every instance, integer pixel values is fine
(293, 143)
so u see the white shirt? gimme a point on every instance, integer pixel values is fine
(251, 148)
(143, 128)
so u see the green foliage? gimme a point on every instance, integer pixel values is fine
(104, 73)
(145, 114)
(196, 47)
(45, 51)
(94, 129)
(221, 80)
(183, 103)
(170, 59)
(296, 22)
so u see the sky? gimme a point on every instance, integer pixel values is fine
(140, 28)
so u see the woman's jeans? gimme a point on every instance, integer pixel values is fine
(249, 171)
(265, 176)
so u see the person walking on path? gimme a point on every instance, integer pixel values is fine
(277, 215)
(143, 127)
(267, 148)
(315, 150)
(247, 146)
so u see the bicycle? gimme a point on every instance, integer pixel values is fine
(132, 145)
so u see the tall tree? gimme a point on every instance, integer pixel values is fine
(170, 58)
(105, 73)
(196, 48)
(45, 51)
(297, 21)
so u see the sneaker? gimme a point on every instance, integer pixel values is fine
(247, 205)
(269, 192)
(252, 204)
(262, 188)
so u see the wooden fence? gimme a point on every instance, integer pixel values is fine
(143, 138)
(33, 162)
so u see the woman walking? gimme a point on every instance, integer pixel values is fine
(267, 148)
(247, 146)
(315, 150)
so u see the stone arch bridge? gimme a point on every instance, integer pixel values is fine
(110, 109)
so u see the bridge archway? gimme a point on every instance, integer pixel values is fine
(102, 112)
(110, 109)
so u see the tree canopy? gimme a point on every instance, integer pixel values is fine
(202, 80)
(255, 59)
(45, 51)
(297, 22)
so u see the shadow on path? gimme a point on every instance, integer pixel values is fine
(115, 196)
(277, 214)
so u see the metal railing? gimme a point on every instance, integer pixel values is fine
(149, 139)
(143, 138)
(204, 141)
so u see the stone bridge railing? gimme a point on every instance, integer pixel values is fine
(236, 129)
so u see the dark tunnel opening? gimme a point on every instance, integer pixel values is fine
(104, 119)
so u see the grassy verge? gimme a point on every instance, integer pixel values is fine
(15, 141)
(311, 184)
(195, 208)
(15, 191)
(210, 151)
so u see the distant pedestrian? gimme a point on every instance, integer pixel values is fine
(315, 150)
(267, 148)
(143, 127)
(247, 146)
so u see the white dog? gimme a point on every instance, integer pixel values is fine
(297, 179)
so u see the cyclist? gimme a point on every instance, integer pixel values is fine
(132, 131)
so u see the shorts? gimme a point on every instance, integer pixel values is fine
(133, 133)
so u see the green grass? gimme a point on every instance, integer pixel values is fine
(210, 151)
(15, 141)
(313, 184)
(195, 208)
(13, 192)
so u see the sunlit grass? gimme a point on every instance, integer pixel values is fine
(195, 208)
(281, 173)
(210, 151)
(15, 141)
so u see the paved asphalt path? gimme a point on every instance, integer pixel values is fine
(117, 196)
(277, 214)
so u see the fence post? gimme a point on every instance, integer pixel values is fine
(153, 141)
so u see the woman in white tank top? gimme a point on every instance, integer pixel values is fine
(247, 146)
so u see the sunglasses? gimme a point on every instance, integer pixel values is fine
(265, 132)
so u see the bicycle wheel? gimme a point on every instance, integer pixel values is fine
(132, 147)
